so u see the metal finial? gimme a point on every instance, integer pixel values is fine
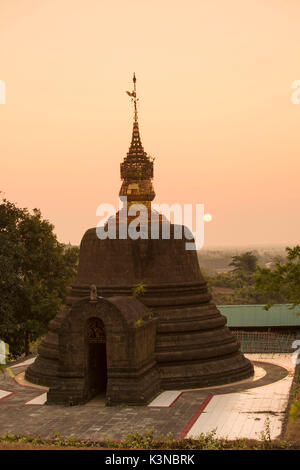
(132, 94)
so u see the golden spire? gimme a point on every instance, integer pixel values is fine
(137, 167)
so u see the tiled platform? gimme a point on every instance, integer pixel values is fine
(234, 410)
(251, 412)
(38, 400)
(165, 399)
(5, 394)
(24, 363)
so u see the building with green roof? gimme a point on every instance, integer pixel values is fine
(254, 316)
(259, 330)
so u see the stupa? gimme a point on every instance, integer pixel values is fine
(171, 336)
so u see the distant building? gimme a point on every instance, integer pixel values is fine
(260, 330)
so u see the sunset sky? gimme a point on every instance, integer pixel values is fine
(214, 79)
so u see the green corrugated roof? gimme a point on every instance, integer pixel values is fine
(255, 315)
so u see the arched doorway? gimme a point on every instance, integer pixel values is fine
(96, 358)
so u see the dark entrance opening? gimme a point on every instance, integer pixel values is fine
(96, 358)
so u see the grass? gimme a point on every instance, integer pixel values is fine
(146, 441)
(293, 426)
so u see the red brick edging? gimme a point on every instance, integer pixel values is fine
(195, 416)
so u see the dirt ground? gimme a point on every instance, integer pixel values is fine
(293, 428)
(223, 290)
(20, 446)
(293, 432)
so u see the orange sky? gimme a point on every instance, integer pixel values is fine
(214, 80)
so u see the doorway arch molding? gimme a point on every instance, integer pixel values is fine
(130, 331)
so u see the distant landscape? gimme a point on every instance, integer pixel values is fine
(229, 285)
(216, 260)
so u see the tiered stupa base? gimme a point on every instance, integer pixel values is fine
(194, 348)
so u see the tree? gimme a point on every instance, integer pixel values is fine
(244, 263)
(35, 272)
(283, 280)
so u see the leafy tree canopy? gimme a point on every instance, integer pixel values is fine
(244, 263)
(35, 272)
(283, 280)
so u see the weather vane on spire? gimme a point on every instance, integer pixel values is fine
(132, 94)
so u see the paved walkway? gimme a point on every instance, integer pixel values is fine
(250, 412)
(234, 411)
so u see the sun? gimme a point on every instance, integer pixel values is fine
(207, 217)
